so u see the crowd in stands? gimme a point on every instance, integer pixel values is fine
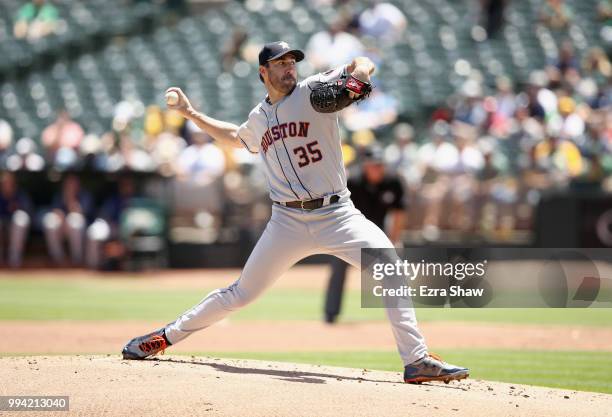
(478, 164)
(36, 19)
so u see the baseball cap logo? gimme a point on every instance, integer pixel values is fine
(284, 45)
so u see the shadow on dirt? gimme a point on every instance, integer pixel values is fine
(291, 376)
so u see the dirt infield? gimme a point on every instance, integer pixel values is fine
(174, 386)
(64, 337)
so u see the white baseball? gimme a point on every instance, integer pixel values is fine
(172, 98)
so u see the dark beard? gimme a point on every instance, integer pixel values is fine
(284, 85)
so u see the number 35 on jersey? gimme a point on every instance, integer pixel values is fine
(306, 154)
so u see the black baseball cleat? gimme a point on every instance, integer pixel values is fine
(147, 345)
(433, 368)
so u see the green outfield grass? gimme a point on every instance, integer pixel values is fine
(583, 371)
(67, 299)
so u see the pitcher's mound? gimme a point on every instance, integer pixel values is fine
(188, 386)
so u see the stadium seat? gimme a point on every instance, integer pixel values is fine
(104, 56)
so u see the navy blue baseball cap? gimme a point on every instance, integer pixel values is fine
(275, 50)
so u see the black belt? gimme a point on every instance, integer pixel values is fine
(309, 204)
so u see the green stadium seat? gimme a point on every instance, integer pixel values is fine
(188, 54)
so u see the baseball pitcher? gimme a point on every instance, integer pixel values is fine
(295, 131)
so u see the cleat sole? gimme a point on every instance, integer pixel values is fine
(127, 356)
(445, 378)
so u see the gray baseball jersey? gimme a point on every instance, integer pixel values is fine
(300, 147)
(302, 155)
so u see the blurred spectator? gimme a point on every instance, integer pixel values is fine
(594, 173)
(61, 140)
(165, 149)
(448, 178)
(595, 141)
(401, 154)
(202, 162)
(548, 100)
(470, 107)
(596, 65)
(378, 111)
(506, 161)
(571, 119)
(90, 147)
(438, 154)
(525, 132)
(361, 141)
(173, 122)
(469, 157)
(534, 179)
(531, 97)
(136, 156)
(492, 15)
(160, 145)
(15, 214)
(333, 47)
(383, 21)
(559, 156)
(199, 168)
(110, 158)
(154, 121)
(126, 113)
(6, 141)
(488, 171)
(567, 60)
(434, 160)
(604, 11)
(231, 51)
(488, 178)
(501, 108)
(556, 14)
(505, 98)
(462, 184)
(104, 247)
(71, 209)
(6, 134)
(25, 157)
(35, 19)
(142, 140)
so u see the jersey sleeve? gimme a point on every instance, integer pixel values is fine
(246, 134)
(332, 75)
(325, 77)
